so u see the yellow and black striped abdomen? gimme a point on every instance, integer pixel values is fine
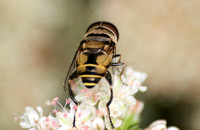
(91, 74)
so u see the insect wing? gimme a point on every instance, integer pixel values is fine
(72, 68)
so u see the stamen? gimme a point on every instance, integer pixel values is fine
(67, 101)
(83, 90)
(15, 118)
(54, 124)
(47, 119)
(97, 112)
(79, 114)
(75, 107)
(54, 101)
(86, 128)
(65, 115)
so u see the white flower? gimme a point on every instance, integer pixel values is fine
(65, 119)
(98, 124)
(30, 118)
(123, 98)
(172, 128)
(92, 96)
(160, 125)
(33, 120)
(116, 122)
(86, 113)
(92, 112)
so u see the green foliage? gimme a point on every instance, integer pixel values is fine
(130, 122)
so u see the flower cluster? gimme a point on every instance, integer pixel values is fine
(91, 113)
(124, 88)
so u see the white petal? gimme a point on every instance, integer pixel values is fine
(107, 123)
(39, 109)
(129, 71)
(32, 118)
(30, 110)
(138, 107)
(65, 128)
(132, 90)
(32, 129)
(85, 112)
(80, 97)
(158, 125)
(102, 106)
(42, 123)
(143, 88)
(172, 128)
(140, 76)
(72, 111)
(51, 117)
(130, 99)
(98, 124)
(64, 121)
(25, 124)
(117, 123)
(117, 108)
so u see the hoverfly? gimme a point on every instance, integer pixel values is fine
(93, 57)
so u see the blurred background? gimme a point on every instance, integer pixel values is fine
(38, 40)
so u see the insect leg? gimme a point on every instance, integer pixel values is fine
(118, 55)
(74, 75)
(116, 62)
(109, 79)
(119, 63)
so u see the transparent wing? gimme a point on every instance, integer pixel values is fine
(72, 68)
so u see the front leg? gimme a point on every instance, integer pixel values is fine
(109, 79)
(74, 75)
